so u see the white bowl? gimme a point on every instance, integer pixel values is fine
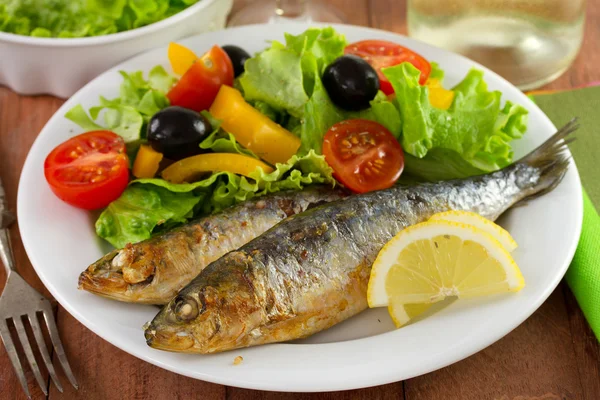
(31, 65)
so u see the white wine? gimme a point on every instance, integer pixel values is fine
(529, 42)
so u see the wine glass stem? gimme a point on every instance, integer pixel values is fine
(294, 9)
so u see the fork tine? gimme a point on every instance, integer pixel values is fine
(12, 354)
(29, 353)
(58, 347)
(39, 338)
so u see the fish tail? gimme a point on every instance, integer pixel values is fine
(551, 159)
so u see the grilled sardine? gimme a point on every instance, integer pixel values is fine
(153, 271)
(311, 270)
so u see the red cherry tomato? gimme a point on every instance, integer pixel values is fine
(199, 86)
(363, 154)
(381, 54)
(88, 171)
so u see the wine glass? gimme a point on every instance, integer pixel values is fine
(280, 11)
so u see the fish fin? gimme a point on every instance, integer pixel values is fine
(552, 159)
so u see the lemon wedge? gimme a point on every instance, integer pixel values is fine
(429, 261)
(476, 220)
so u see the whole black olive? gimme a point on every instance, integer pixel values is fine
(177, 132)
(238, 58)
(351, 82)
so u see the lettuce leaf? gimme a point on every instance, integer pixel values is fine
(283, 76)
(275, 78)
(436, 72)
(147, 205)
(128, 114)
(79, 18)
(141, 208)
(475, 127)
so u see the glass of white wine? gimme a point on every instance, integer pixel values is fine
(528, 42)
(280, 11)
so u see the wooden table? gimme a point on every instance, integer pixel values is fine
(552, 355)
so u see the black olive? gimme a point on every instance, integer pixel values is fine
(177, 132)
(238, 58)
(351, 82)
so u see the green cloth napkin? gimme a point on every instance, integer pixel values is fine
(583, 275)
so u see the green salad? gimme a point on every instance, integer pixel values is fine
(80, 18)
(275, 121)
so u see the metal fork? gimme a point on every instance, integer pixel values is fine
(20, 300)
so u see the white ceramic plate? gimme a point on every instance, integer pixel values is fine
(363, 351)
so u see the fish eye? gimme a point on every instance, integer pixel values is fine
(185, 308)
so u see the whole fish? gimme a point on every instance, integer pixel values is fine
(311, 271)
(154, 270)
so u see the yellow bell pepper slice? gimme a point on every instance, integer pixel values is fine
(252, 129)
(438, 96)
(181, 58)
(190, 168)
(441, 98)
(433, 83)
(146, 162)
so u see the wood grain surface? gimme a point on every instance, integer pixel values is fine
(552, 355)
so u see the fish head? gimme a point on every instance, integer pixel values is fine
(122, 275)
(214, 313)
(104, 278)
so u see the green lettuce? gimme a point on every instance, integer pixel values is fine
(275, 78)
(283, 75)
(472, 136)
(128, 114)
(436, 72)
(79, 18)
(140, 209)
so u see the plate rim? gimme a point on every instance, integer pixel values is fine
(382, 377)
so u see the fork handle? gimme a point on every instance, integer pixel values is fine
(6, 254)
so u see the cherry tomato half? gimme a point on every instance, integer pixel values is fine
(381, 54)
(363, 154)
(89, 170)
(199, 86)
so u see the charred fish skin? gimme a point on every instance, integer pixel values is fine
(153, 271)
(311, 271)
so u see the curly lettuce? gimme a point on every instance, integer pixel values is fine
(140, 209)
(473, 136)
(283, 75)
(127, 114)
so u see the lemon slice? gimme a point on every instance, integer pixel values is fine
(471, 218)
(429, 261)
